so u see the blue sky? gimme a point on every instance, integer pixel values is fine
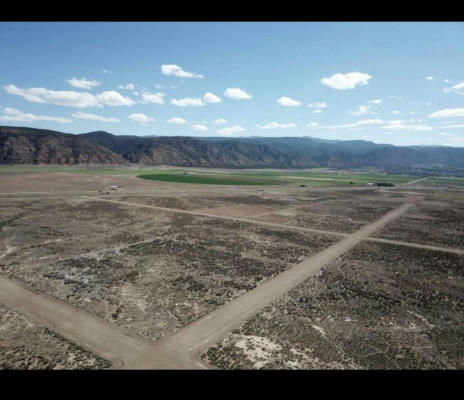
(399, 83)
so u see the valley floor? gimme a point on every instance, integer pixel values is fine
(211, 276)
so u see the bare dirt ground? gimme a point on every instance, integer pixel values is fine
(379, 306)
(154, 274)
(142, 269)
(26, 345)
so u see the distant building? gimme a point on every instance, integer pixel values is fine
(113, 187)
(380, 184)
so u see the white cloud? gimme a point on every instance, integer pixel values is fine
(317, 111)
(158, 86)
(376, 101)
(173, 69)
(356, 125)
(211, 98)
(446, 80)
(236, 93)
(458, 88)
(429, 78)
(395, 112)
(113, 98)
(448, 112)
(275, 125)
(231, 130)
(177, 120)
(399, 125)
(11, 111)
(200, 127)
(360, 111)
(370, 122)
(105, 71)
(346, 81)
(288, 102)
(394, 125)
(220, 121)
(142, 118)
(317, 104)
(62, 97)
(69, 98)
(83, 83)
(188, 101)
(156, 98)
(94, 117)
(128, 86)
(312, 124)
(453, 126)
(13, 115)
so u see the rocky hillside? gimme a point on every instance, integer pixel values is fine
(190, 152)
(38, 146)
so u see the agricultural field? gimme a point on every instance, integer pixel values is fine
(442, 181)
(220, 177)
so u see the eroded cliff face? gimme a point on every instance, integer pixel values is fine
(25, 146)
(39, 146)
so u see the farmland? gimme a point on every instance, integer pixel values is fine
(314, 178)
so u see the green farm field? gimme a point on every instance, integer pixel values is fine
(209, 180)
(220, 177)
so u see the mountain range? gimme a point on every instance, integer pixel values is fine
(21, 145)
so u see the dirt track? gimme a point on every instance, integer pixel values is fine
(92, 333)
(416, 245)
(180, 350)
(291, 227)
(202, 214)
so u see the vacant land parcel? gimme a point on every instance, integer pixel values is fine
(152, 257)
(146, 270)
(378, 307)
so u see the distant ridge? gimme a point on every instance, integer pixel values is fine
(39, 146)
(20, 145)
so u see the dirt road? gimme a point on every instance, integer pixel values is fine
(94, 334)
(181, 350)
(416, 245)
(417, 180)
(292, 227)
(177, 210)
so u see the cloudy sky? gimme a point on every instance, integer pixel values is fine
(399, 83)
